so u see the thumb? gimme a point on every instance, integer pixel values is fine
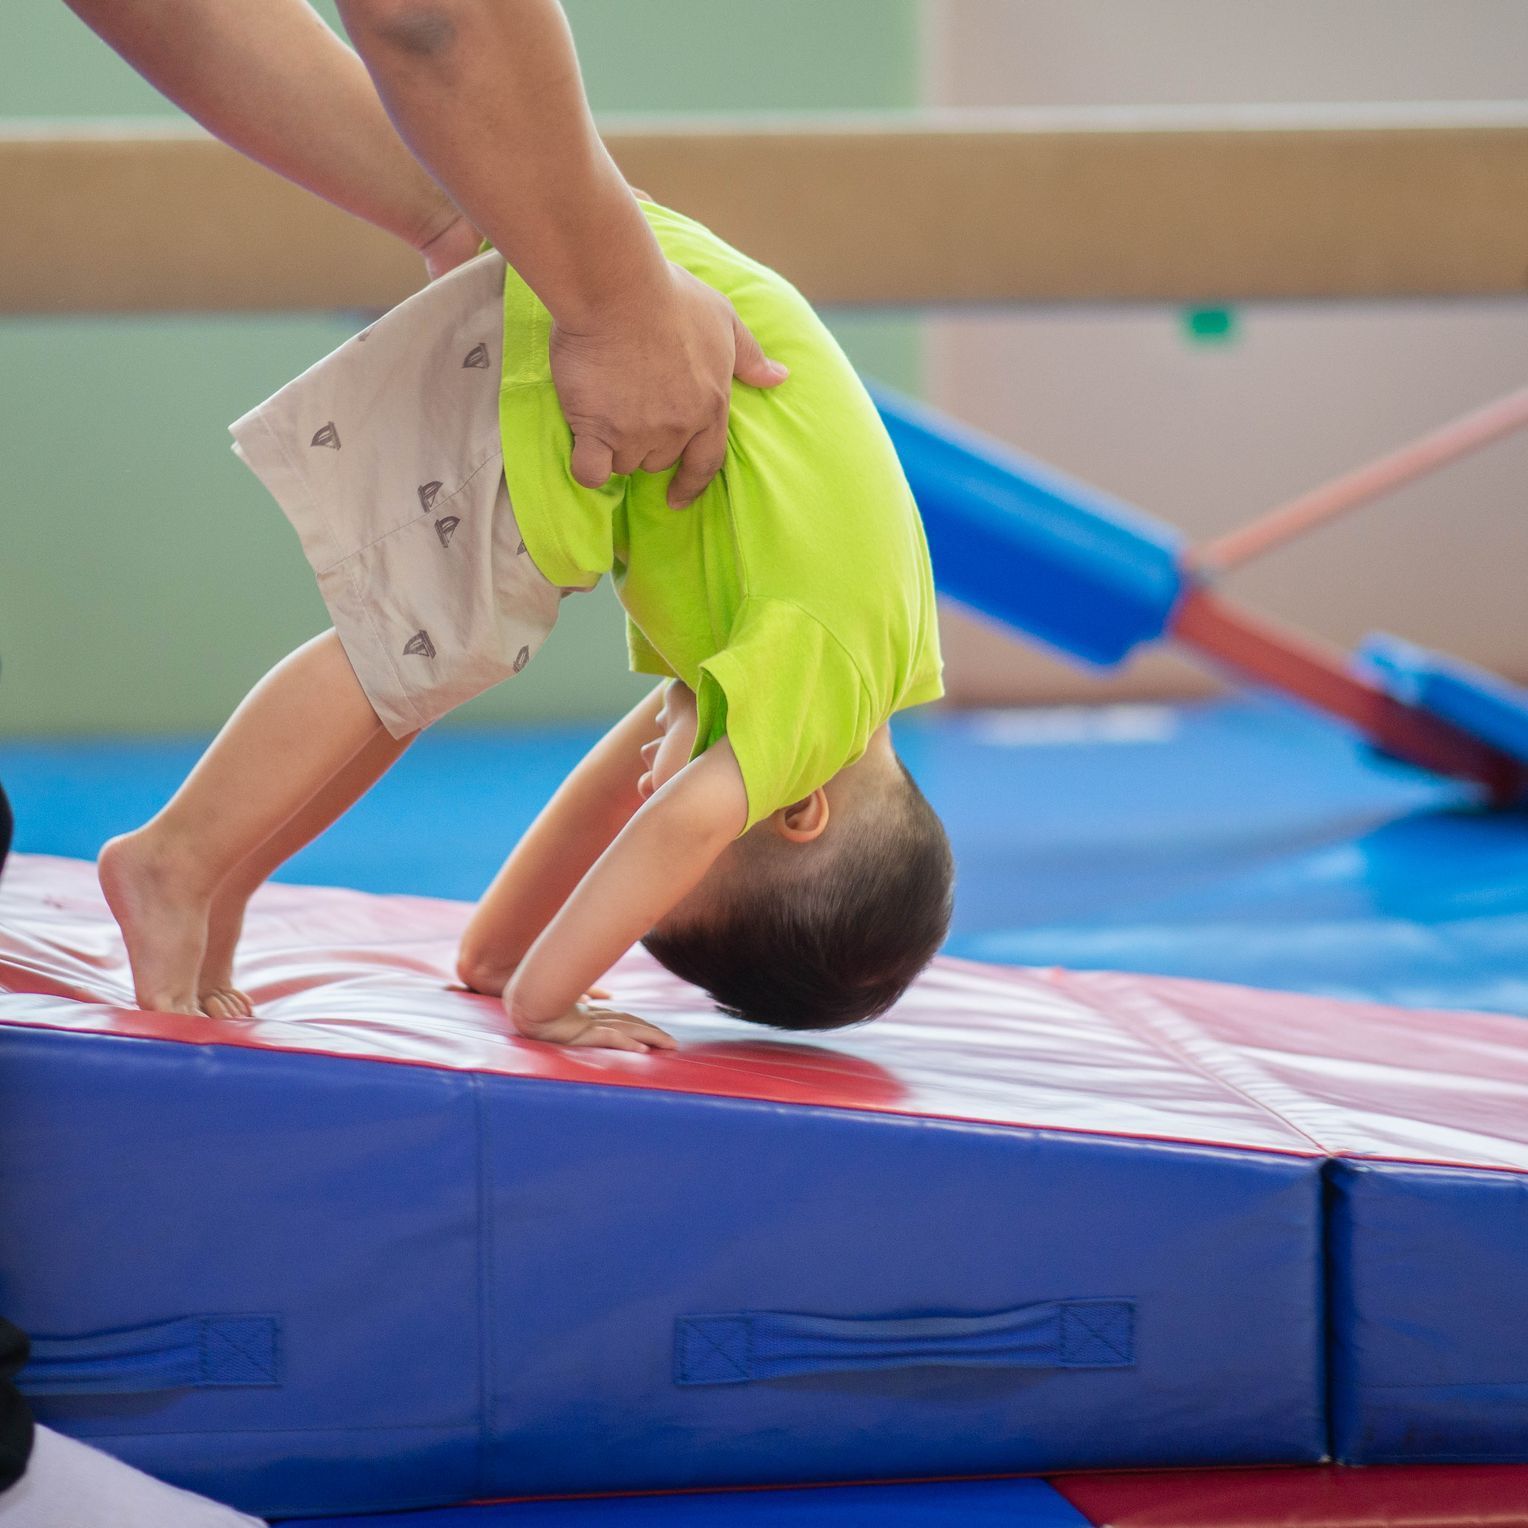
(752, 366)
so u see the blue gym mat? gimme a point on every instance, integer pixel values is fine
(1242, 842)
(968, 1504)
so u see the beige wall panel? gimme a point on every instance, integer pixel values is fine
(1207, 435)
(1030, 207)
(1192, 52)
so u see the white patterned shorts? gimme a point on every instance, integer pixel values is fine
(386, 458)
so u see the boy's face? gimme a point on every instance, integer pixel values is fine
(670, 751)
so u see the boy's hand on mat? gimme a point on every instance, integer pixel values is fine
(653, 387)
(602, 1028)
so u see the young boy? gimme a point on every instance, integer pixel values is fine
(748, 821)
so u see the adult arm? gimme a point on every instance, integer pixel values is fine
(271, 80)
(487, 94)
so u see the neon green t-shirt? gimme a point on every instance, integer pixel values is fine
(795, 595)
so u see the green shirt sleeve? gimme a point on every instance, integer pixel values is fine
(644, 657)
(789, 698)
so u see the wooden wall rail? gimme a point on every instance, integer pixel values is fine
(1160, 205)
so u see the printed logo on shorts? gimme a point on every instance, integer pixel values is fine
(427, 493)
(327, 436)
(522, 658)
(477, 357)
(445, 528)
(419, 646)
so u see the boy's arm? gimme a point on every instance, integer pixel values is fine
(575, 827)
(660, 856)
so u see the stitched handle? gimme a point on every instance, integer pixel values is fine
(747, 1346)
(194, 1353)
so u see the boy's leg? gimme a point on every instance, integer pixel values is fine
(225, 921)
(293, 733)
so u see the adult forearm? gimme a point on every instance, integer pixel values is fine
(487, 94)
(271, 80)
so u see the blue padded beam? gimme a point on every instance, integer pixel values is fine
(1029, 546)
(1482, 703)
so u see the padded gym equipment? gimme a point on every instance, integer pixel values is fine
(366, 1252)
(972, 1239)
(1055, 560)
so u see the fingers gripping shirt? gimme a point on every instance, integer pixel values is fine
(795, 595)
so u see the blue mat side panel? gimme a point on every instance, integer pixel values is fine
(471, 1285)
(1429, 1295)
(145, 1182)
(648, 1209)
(961, 1504)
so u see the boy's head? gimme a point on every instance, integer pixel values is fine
(821, 914)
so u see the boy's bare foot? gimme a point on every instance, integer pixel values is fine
(225, 1002)
(219, 998)
(163, 918)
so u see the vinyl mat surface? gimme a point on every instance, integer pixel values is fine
(1241, 842)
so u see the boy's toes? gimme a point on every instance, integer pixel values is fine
(226, 1003)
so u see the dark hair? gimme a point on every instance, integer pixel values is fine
(832, 940)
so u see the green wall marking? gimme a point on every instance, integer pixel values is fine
(1210, 326)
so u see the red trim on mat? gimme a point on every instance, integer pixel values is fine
(1330, 1496)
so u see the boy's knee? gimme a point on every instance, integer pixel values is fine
(423, 29)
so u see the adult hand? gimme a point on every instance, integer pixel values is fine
(653, 386)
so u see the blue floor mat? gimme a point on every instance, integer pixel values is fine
(967, 1504)
(1239, 842)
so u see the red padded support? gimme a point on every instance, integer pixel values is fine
(1269, 654)
(1426, 1496)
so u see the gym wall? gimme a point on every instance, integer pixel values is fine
(146, 578)
(1207, 432)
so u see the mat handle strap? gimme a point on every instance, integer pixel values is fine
(747, 1346)
(192, 1353)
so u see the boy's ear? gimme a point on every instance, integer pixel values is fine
(803, 820)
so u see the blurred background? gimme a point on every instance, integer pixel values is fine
(147, 580)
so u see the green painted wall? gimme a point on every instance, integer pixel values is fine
(146, 580)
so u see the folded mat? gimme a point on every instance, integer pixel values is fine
(1031, 1221)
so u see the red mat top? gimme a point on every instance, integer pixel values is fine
(341, 973)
